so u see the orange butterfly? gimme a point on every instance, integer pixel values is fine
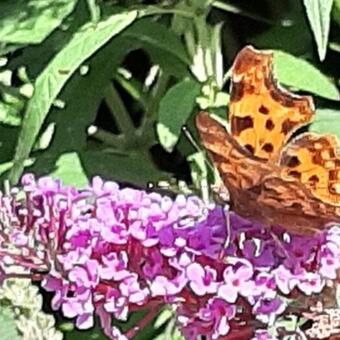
(271, 179)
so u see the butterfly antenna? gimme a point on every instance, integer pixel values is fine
(192, 140)
(279, 243)
(226, 216)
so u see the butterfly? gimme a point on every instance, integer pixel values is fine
(272, 177)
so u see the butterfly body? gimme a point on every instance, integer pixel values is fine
(294, 184)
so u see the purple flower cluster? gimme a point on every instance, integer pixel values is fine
(108, 251)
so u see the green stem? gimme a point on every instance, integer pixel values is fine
(153, 102)
(108, 138)
(152, 10)
(119, 112)
(236, 10)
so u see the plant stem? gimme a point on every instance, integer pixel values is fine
(119, 112)
(107, 138)
(236, 10)
(142, 323)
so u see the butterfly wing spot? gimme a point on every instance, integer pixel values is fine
(240, 124)
(281, 97)
(313, 179)
(263, 109)
(292, 161)
(287, 126)
(250, 148)
(237, 91)
(295, 174)
(269, 124)
(268, 147)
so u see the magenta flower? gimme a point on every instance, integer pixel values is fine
(107, 252)
(237, 281)
(202, 280)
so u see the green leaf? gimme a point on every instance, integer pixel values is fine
(301, 74)
(70, 170)
(174, 109)
(132, 168)
(80, 111)
(31, 21)
(48, 85)
(8, 137)
(290, 33)
(319, 16)
(153, 34)
(336, 11)
(94, 10)
(326, 121)
(8, 329)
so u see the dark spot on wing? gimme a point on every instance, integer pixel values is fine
(317, 158)
(237, 91)
(281, 97)
(287, 126)
(250, 148)
(269, 124)
(292, 161)
(333, 175)
(264, 110)
(238, 124)
(314, 179)
(268, 147)
(295, 174)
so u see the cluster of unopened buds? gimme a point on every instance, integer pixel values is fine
(107, 251)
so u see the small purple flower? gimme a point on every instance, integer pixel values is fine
(85, 276)
(162, 286)
(269, 306)
(219, 313)
(114, 266)
(237, 281)
(263, 334)
(285, 280)
(310, 283)
(80, 306)
(329, 260)
(202, 280)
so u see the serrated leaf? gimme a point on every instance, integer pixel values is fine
(49, 83)
(174, 109)
(31, 21)
(319, 16)
(326, 121)
(299, 73)
(8, 329)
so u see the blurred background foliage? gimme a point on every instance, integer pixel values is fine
(103, 87)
